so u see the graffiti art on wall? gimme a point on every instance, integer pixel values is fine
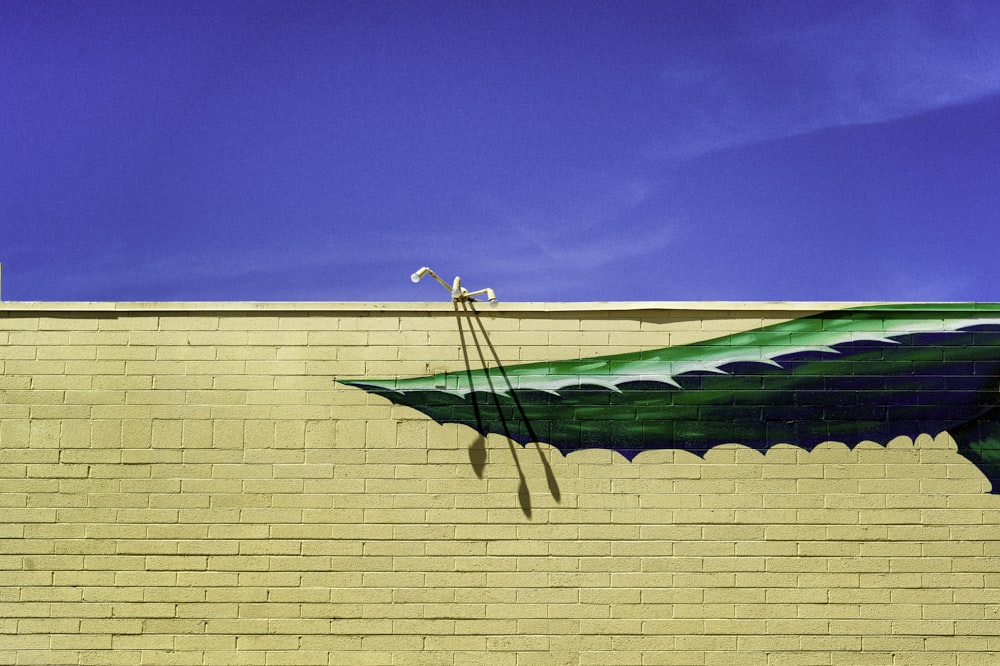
(867, 373)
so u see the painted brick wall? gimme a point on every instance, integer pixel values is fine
(186, 484)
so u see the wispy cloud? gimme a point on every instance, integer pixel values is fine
(902, 281)
(548, 250)
(875, 63)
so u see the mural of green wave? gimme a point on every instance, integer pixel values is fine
(845, 375)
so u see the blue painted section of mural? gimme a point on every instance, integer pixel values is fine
(847, 375)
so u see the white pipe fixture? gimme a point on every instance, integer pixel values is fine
(459, 294)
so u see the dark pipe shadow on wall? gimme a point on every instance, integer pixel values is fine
(477, 450)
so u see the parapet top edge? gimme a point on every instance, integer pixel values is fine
(251, 307)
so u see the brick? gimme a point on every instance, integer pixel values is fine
(197, 482)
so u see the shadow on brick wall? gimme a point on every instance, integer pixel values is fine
(477, 450)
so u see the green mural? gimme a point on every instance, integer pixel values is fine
(867, 373)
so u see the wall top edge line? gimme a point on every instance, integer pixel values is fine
(250, 307)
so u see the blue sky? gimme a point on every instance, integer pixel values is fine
(562, 151)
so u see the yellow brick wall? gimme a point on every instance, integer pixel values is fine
(186, 484)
